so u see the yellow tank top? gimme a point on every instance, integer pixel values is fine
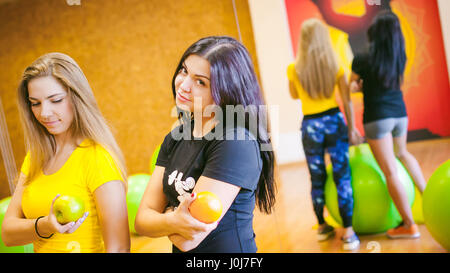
(88, 167)
(313, 106)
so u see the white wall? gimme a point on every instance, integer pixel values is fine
(274, 52)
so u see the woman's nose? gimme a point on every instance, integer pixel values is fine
(186, 84)
(45, 110)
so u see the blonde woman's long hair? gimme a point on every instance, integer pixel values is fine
(316, 63)
(88, 121)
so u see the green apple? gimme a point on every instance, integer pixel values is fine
(68, 209)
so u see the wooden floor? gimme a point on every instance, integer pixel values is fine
(291, 228)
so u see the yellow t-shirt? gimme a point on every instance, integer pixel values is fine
(88, 167)
(313, 106)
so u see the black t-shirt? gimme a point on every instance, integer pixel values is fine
(237, 162)
(379, 102)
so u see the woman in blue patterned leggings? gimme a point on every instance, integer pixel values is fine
(312, 79)
(321, 133)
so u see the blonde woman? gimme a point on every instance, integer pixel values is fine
(312, 79)
(71, 151)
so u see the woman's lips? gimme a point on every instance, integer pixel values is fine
(182, 98)
(50, 123)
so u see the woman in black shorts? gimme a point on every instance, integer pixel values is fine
(379, 74)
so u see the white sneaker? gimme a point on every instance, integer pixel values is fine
(350, 243)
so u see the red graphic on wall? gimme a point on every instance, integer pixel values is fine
(426, 87)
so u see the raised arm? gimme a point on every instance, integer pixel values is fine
(153, 220)
(226, 193)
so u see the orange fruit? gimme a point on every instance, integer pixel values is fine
(206, 208)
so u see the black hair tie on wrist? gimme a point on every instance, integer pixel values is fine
(35, 228)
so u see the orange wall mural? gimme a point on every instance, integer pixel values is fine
(426, 86)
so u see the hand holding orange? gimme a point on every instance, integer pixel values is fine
(206, 208)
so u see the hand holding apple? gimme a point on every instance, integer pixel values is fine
(68, 209)
(66, 214)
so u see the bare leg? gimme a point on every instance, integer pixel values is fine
(410, 162)
(383, 151)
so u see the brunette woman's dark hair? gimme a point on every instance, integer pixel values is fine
(234, 83)
(387, 49)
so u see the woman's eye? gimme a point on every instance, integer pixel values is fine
(183, 70)
(56, 101)
(35, 103)
(201, 82)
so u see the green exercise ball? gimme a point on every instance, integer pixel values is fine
(4, 203)
(374, 211)
(136, 188)
(436, 205)
(154, 158)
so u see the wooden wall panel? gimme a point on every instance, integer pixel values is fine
(128, 51)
